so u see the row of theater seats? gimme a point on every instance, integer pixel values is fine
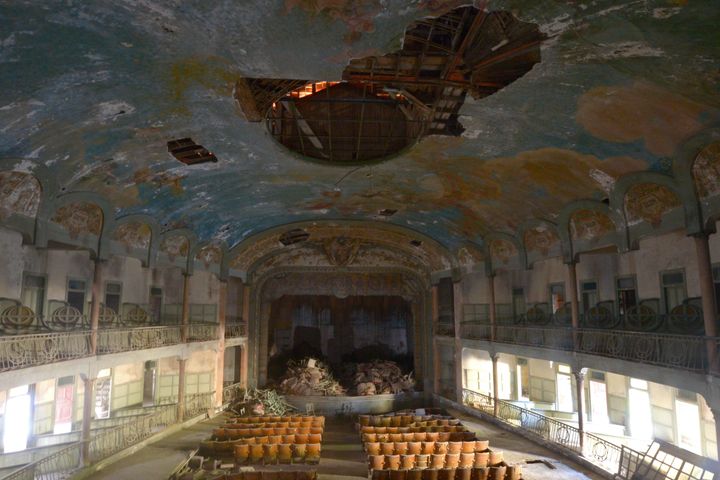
(444, 428)
(424, 453)
(402, 420)
(428, 448)
(434, 461)
(225, 434)
(272, 419)
(501, 472)
(271, 454)
(239, 431)
(418, 437)
(264, 475)
(303, 424)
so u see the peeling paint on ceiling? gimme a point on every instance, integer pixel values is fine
(93, 91)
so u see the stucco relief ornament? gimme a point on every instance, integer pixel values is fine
(341, 251)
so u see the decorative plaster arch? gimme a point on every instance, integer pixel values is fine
(149, 260)
(533, 225)
(617, 238)
(191, 239)
(503, 237)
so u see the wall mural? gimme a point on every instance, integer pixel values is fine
(79, 218)
(134, 235)
(503, 250)
(469, 255)
(590, 225)
(649, 202)
(19, 194)
(540, 239)
(175, 246)
(706, 171)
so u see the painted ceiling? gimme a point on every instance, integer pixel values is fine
(94, 89)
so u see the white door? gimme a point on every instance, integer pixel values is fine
(641, 426)
(598, 402)
(688, 426)
(17, 419)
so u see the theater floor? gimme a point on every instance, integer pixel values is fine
(342, 456)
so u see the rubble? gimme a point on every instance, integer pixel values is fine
(382, 376)
(256, 401)
(310, 377)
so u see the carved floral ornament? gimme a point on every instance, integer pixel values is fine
(649, 202)
(175, 246)
(19, 194)
(341, 251)
(134, 235)
(341, 284)
(706, 171)
(540, 239)
(503, 250)
(79, 218)
(589, 224)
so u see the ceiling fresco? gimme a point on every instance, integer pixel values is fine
(92, 91)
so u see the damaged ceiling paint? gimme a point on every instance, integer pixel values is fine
(94, 90)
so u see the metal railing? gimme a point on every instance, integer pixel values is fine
(202, 332)
(20, 351)
(198, 403)
(234, 330)
(56, 466)
(115, 439)
(687, 352)
(140, 338)
(597, 450)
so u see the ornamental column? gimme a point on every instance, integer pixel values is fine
(88, 397)
(245, 318)
(181, 390)
(707, 291)
(435, 316)
(457, 317)
(96, 293)
(496, 384)
(580, 394)
(220, 364)
(185, 314)
(574, 305)
(491, 307)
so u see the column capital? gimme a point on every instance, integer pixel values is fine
(579, 373)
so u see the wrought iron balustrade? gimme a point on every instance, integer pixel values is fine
(235, 330)
(475, 330)
(56, 466)
(597, 450)
(123, 436)
(202, 332)
(20, 351)
(198, 403)
(128, 339)
(445, 329)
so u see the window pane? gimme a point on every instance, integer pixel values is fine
(76, 285)
(674, 278)
(626, 283)
(113, 288)
(34, 281)
(77, 300)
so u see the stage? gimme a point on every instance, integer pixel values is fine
(344, 405)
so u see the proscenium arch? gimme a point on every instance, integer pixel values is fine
(257, 354)
(238, 249)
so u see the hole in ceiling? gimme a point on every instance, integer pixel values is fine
(189, 152)
(415, 243)
(384, 104)
(295, 235)
(387, 212)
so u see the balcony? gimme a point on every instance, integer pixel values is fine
(686, 352)
(235, 330)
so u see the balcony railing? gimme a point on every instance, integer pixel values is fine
(687, 352)
(115, 439)
(233, 393)
(202, 332)
(20, 351)
(235, 330)
(598, 451)
(127, 339)
(56, 466)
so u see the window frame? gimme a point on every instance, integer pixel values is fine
(633, 277)
(28, 273)
(581, 291)
(85, 282)
(120, 295)
(663, 298)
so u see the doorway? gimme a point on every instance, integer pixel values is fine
(641, 426)
(103, 385)
(64, 394)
